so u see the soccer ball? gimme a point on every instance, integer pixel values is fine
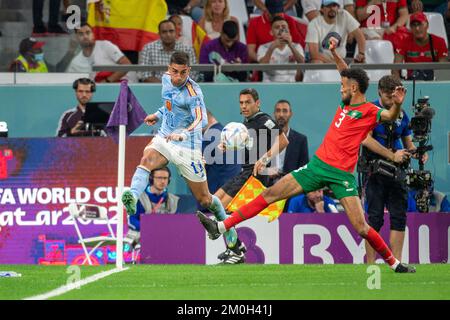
(234, 136)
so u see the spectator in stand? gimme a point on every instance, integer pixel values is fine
(187, 7)
(71, 123)
(333, 24)
(189, 33)
(259, 28)
(312, 202)
(420, 46)
(428, 6)
(297, 150)
(215, 14)
(386, 23)
(179, 36)
(96, 52)
(281, 50)
(311, 8)
(159, 52)
(289, 7)
(225, 49)
(53, 27)
(31, 57)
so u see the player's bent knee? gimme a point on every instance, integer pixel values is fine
(146, 162)
(205, 200)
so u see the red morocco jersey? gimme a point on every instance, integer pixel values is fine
(349, 128)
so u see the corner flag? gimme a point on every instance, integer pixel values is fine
(127, 116)
(249, 191)
(127, 111)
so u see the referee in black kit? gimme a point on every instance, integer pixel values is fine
(263, 130)
(389, 145)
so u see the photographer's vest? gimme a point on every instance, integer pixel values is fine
(168, 206)
(40, 68)
(390, 136)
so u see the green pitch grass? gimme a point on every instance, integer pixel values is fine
(247, 282)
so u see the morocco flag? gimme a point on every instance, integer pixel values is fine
(130, 24)
(249, 191)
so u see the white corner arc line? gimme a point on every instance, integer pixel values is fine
(75, 285)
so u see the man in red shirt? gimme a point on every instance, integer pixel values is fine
(420, 46)
(259, 28)
(382, 19)
(333, 163)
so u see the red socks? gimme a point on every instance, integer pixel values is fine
(245, 212)
(380, 246)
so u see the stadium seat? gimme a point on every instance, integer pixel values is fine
(321, 76)
(238, 9)
(378, 51)
(436, 25)
(93, 212)
(187, 28)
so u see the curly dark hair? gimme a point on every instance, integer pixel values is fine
(388, 84)
(359, 75)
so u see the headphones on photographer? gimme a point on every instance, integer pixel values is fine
(84, 81)
(150, 178)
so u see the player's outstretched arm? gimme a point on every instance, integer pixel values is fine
(398, 96)
(340, 63)
(280, 143)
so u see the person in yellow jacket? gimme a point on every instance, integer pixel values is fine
(31, 58)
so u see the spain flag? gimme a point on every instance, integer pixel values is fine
(199, 37)
(130, 24)
(249, 191)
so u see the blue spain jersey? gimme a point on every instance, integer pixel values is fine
(183, 111)
(401, 129)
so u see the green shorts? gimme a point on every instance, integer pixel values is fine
(317, 174)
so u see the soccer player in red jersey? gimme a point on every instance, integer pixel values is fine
(333, 163)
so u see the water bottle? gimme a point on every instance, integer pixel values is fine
(9, 274)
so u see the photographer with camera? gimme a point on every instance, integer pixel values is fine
(71, 123)
(385, 157)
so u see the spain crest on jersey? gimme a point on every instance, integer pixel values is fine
(169, 105)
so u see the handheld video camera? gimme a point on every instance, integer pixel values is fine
(421, 180)
(421, 122)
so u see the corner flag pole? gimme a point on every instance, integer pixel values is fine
(127, 115)
(120, 186)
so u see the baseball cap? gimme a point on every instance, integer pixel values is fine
(30, 43)
(274, 6)
(418, 16)
(328, 2)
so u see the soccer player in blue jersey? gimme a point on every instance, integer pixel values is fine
(179, 140)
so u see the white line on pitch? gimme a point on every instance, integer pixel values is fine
(75, 285)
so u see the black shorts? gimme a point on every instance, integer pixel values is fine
(232, 186)
(384, 192)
